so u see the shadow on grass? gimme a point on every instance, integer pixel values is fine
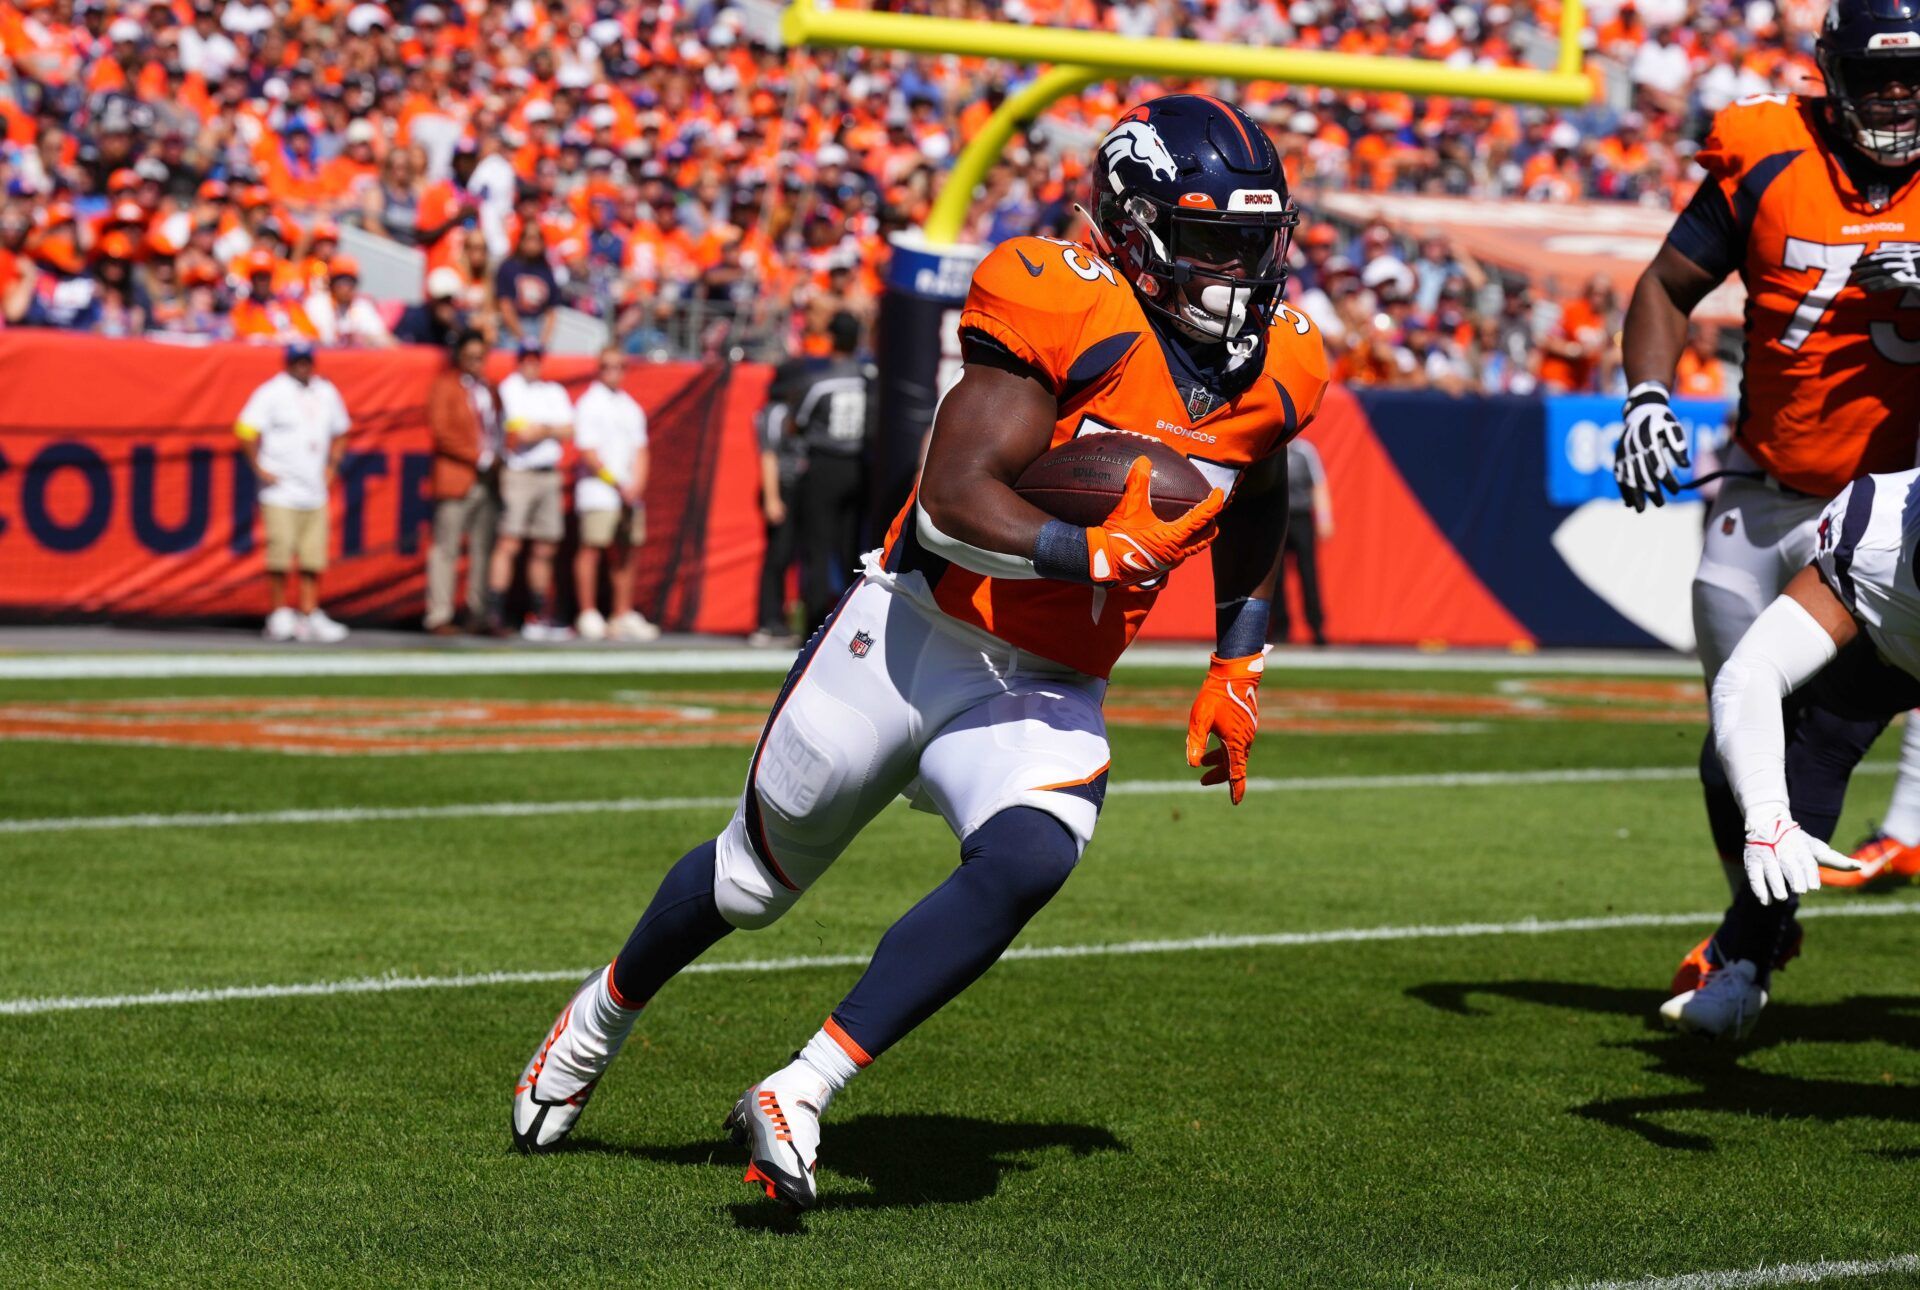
(1722, 1082)
(902, 1159)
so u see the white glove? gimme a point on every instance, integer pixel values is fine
(1894, 267)
(1652, 445)
(1781, 856)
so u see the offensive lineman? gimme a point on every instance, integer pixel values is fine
(967, 666)
(1814, 203)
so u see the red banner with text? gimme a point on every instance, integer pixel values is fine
(123, 492)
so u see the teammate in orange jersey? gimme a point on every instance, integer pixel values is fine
(967, 666)
(1816, 204)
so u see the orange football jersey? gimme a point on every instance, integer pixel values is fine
(1832, 376)
(1064, 311)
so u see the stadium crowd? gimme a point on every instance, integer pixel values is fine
(186, 166)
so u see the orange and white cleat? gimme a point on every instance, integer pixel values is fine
(1881, 858)
(561, 1076)
(778, 1121)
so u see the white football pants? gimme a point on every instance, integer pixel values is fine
(894, 697)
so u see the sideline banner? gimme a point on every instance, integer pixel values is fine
(1457, 521)
(1582, 430)
(123, 492)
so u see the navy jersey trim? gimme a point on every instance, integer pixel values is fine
(979, 349)
(1094, 363)
(1852, 529)
(1713, 232)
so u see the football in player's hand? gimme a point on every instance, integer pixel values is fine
(1081, 481)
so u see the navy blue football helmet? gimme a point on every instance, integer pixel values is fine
(1869, 53)
(1189, 200)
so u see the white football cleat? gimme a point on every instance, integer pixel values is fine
(778, 1121)
(1725, 1005)
(556, 1084)
(283, 624)
(630, 626)
(591, 626)
(319, 629)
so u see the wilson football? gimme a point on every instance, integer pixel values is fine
(1081, 481)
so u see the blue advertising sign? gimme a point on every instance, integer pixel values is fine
(1582, 430)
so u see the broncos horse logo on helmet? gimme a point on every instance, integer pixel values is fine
(1190, 201)
(1138, 141)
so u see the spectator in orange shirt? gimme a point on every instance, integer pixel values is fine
(260, 316)
(1700, 374)
(1574, 354)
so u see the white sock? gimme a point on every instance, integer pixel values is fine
(824, 1056)
(594, 1033)
(1903, 812)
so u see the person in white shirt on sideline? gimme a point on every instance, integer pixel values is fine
(293, 432)
(341, 314)
(539, 419)
(1811, 684)
(610, 434)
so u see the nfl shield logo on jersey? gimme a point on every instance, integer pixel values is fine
(860, 644)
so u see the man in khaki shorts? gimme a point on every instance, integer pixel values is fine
(610, 431)
(539, 419)
(293, 432)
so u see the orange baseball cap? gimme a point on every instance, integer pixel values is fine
(122, 180)
(116, 246)
(343, 266)
(325, 231)
(255, 195)
(257, 261)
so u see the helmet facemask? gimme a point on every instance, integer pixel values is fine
(1859, 90)
(1210, 272)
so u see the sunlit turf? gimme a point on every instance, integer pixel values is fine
(1487, 1110)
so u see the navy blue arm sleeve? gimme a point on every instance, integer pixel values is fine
(1708, 233)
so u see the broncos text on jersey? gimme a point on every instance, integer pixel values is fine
(1832, 377)
(1067, 314)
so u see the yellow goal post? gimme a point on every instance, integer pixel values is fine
(1079, 58)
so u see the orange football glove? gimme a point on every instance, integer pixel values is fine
(1135, 545)
(1228, 706)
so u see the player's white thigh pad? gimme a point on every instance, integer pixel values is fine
(819, 754)
(747, 894)
(838, 748)
(1043, 745)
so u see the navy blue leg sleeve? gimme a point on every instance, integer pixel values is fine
(678, 927)
(1009, 867)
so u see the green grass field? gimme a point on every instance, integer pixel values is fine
(1480, 1107)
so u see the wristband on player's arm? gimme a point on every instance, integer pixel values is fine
(1060, 552)
(1240, 627)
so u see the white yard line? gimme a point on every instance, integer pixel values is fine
(629, 805)
(1272, 940)
(675, 661)
(1780, 1274)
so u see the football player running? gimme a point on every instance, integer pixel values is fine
(967, 666)
(1814, 204)
(1844, 634)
